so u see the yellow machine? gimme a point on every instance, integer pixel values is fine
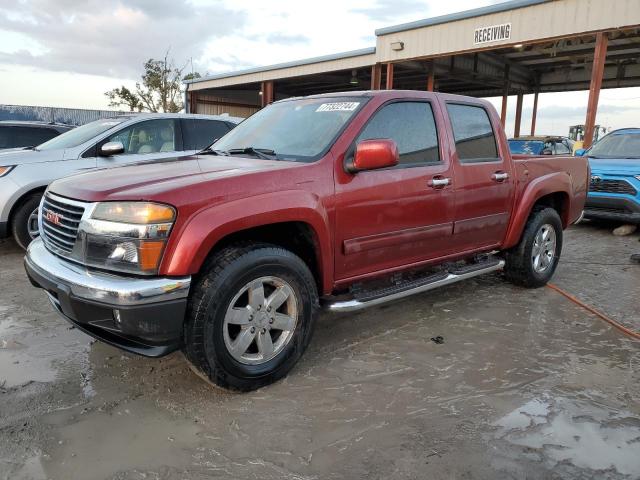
(576, 133)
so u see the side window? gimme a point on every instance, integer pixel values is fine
(25, 136)
(561, 149)
(5, 135)
(411, 125)
(41, 135)
(200, 133)
(147, 137)
(473, 134)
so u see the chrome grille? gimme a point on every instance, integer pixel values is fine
(611, 186)
(60, 222)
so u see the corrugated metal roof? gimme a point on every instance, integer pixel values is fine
(68, 116)
(295, 63)
(452, 17)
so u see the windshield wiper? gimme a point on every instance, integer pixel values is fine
(211, 151)
(263, 153)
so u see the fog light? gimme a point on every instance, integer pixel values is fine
(116, 317)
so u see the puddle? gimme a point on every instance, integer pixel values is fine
(146, 439)
(29, 353)
(585, 435)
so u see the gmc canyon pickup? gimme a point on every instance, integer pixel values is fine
(343, 201)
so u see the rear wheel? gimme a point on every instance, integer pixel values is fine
(250, 317)
(534, 260)
(24, 223)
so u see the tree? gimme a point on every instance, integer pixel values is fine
(160, 90)
(124, 97)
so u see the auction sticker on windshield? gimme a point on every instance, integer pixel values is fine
(338, 107)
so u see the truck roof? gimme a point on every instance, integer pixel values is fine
(390, 94)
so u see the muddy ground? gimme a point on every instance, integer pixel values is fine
(525, 385)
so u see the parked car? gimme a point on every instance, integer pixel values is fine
(615, 177)
(541, 145)
(18, 134)
(105, 143)
(347, 200)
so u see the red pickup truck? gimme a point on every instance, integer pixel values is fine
(341, 201)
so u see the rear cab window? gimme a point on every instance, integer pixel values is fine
(411, 124)
(473, 133)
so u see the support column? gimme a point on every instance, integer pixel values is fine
(503, 110)
(376, 76)
(431, 80)
(389, 79)
(597, 72)
(193, 102)
(267, 92)
(534, 113)
(505, 97)
(516, 129)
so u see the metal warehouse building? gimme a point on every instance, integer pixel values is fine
(513, 48)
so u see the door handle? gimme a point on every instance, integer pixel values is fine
(439, 182)
(499, 176)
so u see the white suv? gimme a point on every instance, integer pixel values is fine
(110, 142)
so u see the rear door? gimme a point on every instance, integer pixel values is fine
(397, 216)
(484, 184)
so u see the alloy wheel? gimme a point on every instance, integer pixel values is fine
(260, 320)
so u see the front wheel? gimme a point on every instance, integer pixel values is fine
(250, 316)
(534, 260)
(24, 223)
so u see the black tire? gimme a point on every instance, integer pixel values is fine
(223, 277)
(519, 268)
(20, 219)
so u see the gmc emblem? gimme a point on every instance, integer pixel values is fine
(52, 217)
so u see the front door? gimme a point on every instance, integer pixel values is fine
(397, 216)
(147, 140)
(484, 183)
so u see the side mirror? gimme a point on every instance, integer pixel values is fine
(111, 148)
(580, 152)
(374, 154)
(547, 151)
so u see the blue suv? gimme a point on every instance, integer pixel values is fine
(614, 190)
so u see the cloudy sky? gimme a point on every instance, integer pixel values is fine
(69, 52)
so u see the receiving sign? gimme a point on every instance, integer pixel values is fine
(494, 33)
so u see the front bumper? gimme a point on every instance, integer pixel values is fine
(616, 208)
(150, 311)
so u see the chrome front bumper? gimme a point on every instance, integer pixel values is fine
(140, 315)
(103, 287)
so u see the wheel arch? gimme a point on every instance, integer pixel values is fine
(302, 227)
(20, 200)
(553, 191)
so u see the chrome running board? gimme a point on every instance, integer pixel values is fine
(355, 305)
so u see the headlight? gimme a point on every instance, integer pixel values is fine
(127, 236)
(637, 177)
(6, 170)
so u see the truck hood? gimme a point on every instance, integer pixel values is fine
(150, 180)
(621, 166)
(14, 156)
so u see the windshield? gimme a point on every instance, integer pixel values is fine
(298, 130)
(526, 147)
(79, 135)
(617, 145)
